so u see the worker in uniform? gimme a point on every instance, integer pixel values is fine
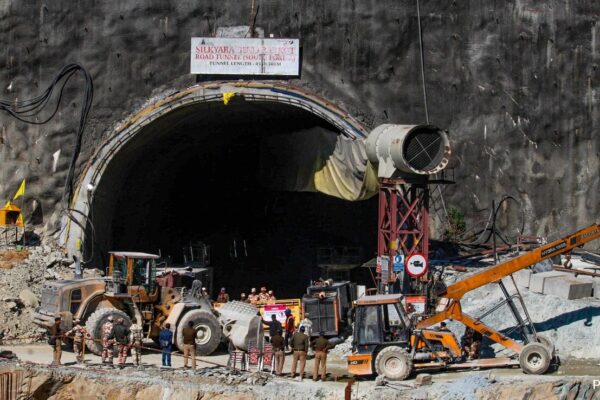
(244, 298)
(107, 344)
(189, 345)
(78, 333)
(120, 334)
(263, 296)
(136, 339)
(274, 325)
(272, 295)
(223, 297)
(55, 340)
(278, 344)
(321, 347)
(166, 344)
(300, 346)
(307, 324)
(290, 327)
(204, 292)
(253, 297)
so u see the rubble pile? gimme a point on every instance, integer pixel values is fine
(343, 349)
(21, 285)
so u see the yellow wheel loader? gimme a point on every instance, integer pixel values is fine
(131, 290)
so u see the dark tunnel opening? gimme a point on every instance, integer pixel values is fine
(228, 175)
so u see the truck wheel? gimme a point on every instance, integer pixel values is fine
(208, 331)
(394, 363)
(94, 326)
(535, 359)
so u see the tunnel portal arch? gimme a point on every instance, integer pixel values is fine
(265, 92)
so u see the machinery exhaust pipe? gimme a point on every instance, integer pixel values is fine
(408, 149)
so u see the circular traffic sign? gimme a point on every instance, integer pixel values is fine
(416, 265)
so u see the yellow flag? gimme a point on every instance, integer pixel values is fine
(21, 190)
(7, 204)
(227, 96)
(20, 220)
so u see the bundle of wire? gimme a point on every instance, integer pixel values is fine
(28, 111)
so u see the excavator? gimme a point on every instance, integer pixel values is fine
(388, 342)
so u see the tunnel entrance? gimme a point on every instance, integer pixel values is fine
(240, 178)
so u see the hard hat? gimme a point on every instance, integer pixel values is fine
(270, 292)
(120, 320)
(222, 289)
(263, 289)
(110, 318)
(203, 288)
(306, 315)
(253, 290)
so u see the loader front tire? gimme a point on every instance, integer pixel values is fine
(535, 359)
(208, 331)
(94, 326)
(393, 363)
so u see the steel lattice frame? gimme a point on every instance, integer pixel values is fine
(403, 219)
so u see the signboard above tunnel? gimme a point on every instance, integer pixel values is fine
(241, 56)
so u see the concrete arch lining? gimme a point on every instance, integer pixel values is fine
(205, 93)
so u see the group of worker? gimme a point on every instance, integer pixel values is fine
(124, 338)
(263, 296)
(300, 344)
(297, 343)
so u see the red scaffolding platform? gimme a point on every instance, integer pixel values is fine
(403, 228)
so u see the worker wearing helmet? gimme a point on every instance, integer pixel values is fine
(253, 297)
(78, 333)
(120, 334)
(107, 344)
(263, 296)
(272, 295)
(223, 297)
(290, 327)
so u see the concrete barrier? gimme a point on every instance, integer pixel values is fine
(568, 287)
(595, 284)
(538, 281)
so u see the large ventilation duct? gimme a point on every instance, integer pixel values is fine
(401, 150)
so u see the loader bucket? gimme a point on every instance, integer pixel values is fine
(241, 324)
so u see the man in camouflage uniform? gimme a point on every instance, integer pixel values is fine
(107, 344)
(137, 336)
(78, 333)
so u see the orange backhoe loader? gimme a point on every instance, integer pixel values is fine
(387, 342)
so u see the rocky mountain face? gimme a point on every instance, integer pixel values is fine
(514, 82)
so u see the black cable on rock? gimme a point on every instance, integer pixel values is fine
(28, 110)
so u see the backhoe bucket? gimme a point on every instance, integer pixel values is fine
(241, 324)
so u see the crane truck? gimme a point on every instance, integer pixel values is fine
(388, 342)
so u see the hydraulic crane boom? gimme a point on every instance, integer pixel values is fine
(449, 303)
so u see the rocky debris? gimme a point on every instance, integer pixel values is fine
(65, 382)
(423, 379)
(28, 298)
(21, 285)
(343, 349)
